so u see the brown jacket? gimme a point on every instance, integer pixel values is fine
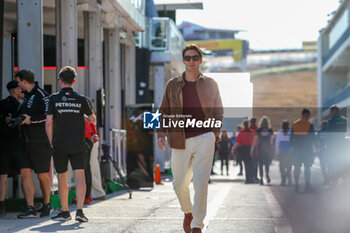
(172, 103)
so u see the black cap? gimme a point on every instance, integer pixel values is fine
(12, 84)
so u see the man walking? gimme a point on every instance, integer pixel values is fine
(11, 143)
(65, 129)
(38, 148)
(254, 159)
(303, 140)
(336, 142)
(192, 94)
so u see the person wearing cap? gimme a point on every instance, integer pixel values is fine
(37, 144)
(65, 129)
(11, 150)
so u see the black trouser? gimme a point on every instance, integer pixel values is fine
(245, 153)
(239, 160)
(224, 160)
(88, 178)
(255, 167)
(324, 164)
(240, 163)
(286, 167)
(263, 161)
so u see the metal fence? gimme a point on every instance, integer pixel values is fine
(118, 152)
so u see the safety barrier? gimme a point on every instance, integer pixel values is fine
(118, 152)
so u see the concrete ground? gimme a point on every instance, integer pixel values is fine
(232, 207)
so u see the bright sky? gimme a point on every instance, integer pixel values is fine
(269, 24)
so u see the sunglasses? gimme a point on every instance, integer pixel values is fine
(194, 58)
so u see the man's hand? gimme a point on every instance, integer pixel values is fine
(7, 120)
(26, 120)
(161, 143)
(252, 152)
(95, 138)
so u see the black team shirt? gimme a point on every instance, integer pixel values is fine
(35, 105)
(9, 107)
(68, 108)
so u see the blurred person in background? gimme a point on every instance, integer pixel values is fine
(337, 146)
(224, 146)
(303, 140)
(254, 127)
(283, 149)
(91, 137)
(244, 140)
(97, 192)
(262, 148)
(237, 154)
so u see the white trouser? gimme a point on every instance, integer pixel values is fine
(195, 160)
(96, 182)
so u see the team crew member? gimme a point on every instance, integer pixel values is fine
(336, 142)
(38, 148)
(244, 141)
(303, 139)
(90, 138)
(254, 127)
(65, 128)
(262, 145)
(11, 150)
(196, 95)
(283, 150)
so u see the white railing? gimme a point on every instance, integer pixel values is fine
(118, 152)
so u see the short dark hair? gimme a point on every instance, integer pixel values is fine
(253, 120)
(246, 124)
(67, 74)
(192, 47)
(305, 112)
(285, 126)
(334, 107)
(27, 75)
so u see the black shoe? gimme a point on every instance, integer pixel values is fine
(256, 181)
(28, 213)
(2, 210)
(46, 210)
(38, 206)
(62, 216)
(80, 217)
(268, 180)
(261, 182)
(240, 174)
